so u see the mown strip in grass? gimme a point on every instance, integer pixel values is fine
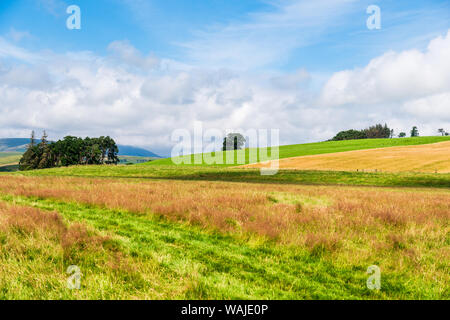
(200, 173)
(188, 262)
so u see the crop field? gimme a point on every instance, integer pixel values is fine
(162, 238)
(8, 158)
(299, 150)
(418, 158)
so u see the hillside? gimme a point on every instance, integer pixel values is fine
(20, 144)
(419, 158)
(326, 147)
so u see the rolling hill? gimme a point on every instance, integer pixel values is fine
(318, 148)
(427, 158)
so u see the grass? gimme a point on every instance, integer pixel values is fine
(7, 158)
(215, 173)
(208, 240)
(213, 232)
(305, 150)
(135, 159)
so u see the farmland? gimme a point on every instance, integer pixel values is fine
(298, 150)
(163, 231)
(418, 158)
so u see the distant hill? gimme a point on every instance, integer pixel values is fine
(136, 152)
(20, 145)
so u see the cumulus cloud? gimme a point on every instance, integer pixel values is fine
(139, 101)
(393, 77)
(130, 55)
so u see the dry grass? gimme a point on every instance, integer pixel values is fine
(48, 226)
(399, 229)
(302, 215)
(428, 158)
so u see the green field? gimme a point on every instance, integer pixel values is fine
(135, 159)
(9, 158)
(311, 149)
(161, 231)
(9, 161)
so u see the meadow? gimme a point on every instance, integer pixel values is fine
(299, 150)
(7, 158)
(159, 231)
(163, 239)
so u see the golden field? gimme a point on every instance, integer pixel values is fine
(430, 158)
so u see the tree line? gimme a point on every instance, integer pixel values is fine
(68, 151)
(376, 132)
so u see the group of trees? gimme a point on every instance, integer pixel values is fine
(68, 151)
(374, 132)
(377, 131)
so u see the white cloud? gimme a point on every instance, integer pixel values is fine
(393, 77)
(130, 55)
(80, 93)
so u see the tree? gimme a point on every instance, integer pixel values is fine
(45, 160)
(373, 132)
(378, 131)
(350, 135)
(233, 141)
(441, 131)
(402, 135)
(414, 132)
(32, 140)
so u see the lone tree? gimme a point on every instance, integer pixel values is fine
(414, 132)
(233, 141)
(442, 131)
(402, 135)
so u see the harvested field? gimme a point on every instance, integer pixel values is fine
(430, 158)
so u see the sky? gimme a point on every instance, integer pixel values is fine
(138, 70)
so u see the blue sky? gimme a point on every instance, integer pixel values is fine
(165, 28)
(149, 67)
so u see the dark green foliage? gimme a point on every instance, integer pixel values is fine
(69, 151)
(233, 141)
(402, 135)
(378, 132)
(350, 135)
(414, 132)
(374, 132)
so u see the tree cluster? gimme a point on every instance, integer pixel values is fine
(68, 151)
(374, 132)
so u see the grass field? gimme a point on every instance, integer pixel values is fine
(214, 232)
(8, 158)
(419, 158)
(215, 240)
(304, 150)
